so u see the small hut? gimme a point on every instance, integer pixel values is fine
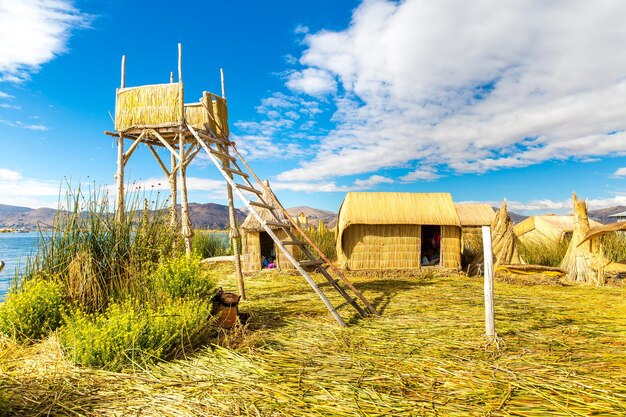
(398, 230)
(549, 227)
(257, 244)
(472, 218)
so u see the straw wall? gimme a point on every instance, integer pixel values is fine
(216, 115)
(195, 115)
(451, 247)
(382, 246)
(251, 251)
(149, 106)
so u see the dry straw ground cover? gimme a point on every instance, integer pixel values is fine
(561, 353)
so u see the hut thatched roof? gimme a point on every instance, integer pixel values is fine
(603, 230)
(397, 208)
(475, 214)
(548, 226)
(252, 224)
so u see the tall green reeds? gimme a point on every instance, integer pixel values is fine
(546, 252)
(324, 238)
(208, 243)
(98, 257)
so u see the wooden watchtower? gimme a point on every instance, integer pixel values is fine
(156, 115)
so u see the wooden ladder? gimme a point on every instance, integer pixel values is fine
(219, 151)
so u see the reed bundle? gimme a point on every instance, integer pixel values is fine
(424, 356)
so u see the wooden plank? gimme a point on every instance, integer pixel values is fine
(312, 263)
(342, 305)
(278, 224)
(293, 242)
(224, 156)
(250, 189)
(324, 284)
(262, 205)
(236, 172)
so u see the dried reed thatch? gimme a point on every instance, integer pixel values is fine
(503, 243)
(473, 217)
(383, 230)
(149, 106)
(216, 114)
(545, 228)
(195, 115)
(584, 260)
(251, 232)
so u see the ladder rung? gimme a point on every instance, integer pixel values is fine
(276, 224)
(342, 305)
(293, 242)
(312, 263)
(236, 172)
(323, 284)
(252, 190)
(262, 205)
(223, 155)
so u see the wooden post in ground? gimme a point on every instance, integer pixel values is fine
(490, 326)
(234, 230)
(119, 179)
(185, 218)
(174, 192)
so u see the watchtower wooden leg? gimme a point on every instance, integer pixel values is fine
(185, 218)
(119, 179)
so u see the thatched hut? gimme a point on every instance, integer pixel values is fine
(398, 230)
(256, 243)
(473, 217)
(549, 227)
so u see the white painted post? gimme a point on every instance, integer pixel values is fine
(490, 326)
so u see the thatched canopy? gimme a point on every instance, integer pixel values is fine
(252, 224)
(584, 261)
(603, 230)
(472, 215)
(549, 226)
(397, 208)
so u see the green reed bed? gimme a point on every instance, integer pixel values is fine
(560, 352)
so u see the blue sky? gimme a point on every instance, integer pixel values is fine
(523, 100)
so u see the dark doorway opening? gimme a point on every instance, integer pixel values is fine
(430, 245)
(268, 253)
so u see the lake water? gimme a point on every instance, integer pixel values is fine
(14, 248)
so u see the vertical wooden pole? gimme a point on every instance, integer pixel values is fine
(171, 77)
(234, 230)
(119, 178)
(123, 77)
(180, 63)
(185, 219)
(174, 192)
(490, 326)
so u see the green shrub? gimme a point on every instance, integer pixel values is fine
(31, 312)
(181, 277)
(546, 252)
(207, 244)
(131, 333)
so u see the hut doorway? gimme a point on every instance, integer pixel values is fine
(430, 249)
(267, 247)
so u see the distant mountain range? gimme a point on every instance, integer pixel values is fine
(215, 216)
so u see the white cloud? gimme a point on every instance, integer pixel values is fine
(424, 174)
(300, 29)
(9, 175)
(312, 81)
(33, 32)
(372, 181)
(471, 86)
(23, 125)
(5, 96)
(621, 172)
(18, 190)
